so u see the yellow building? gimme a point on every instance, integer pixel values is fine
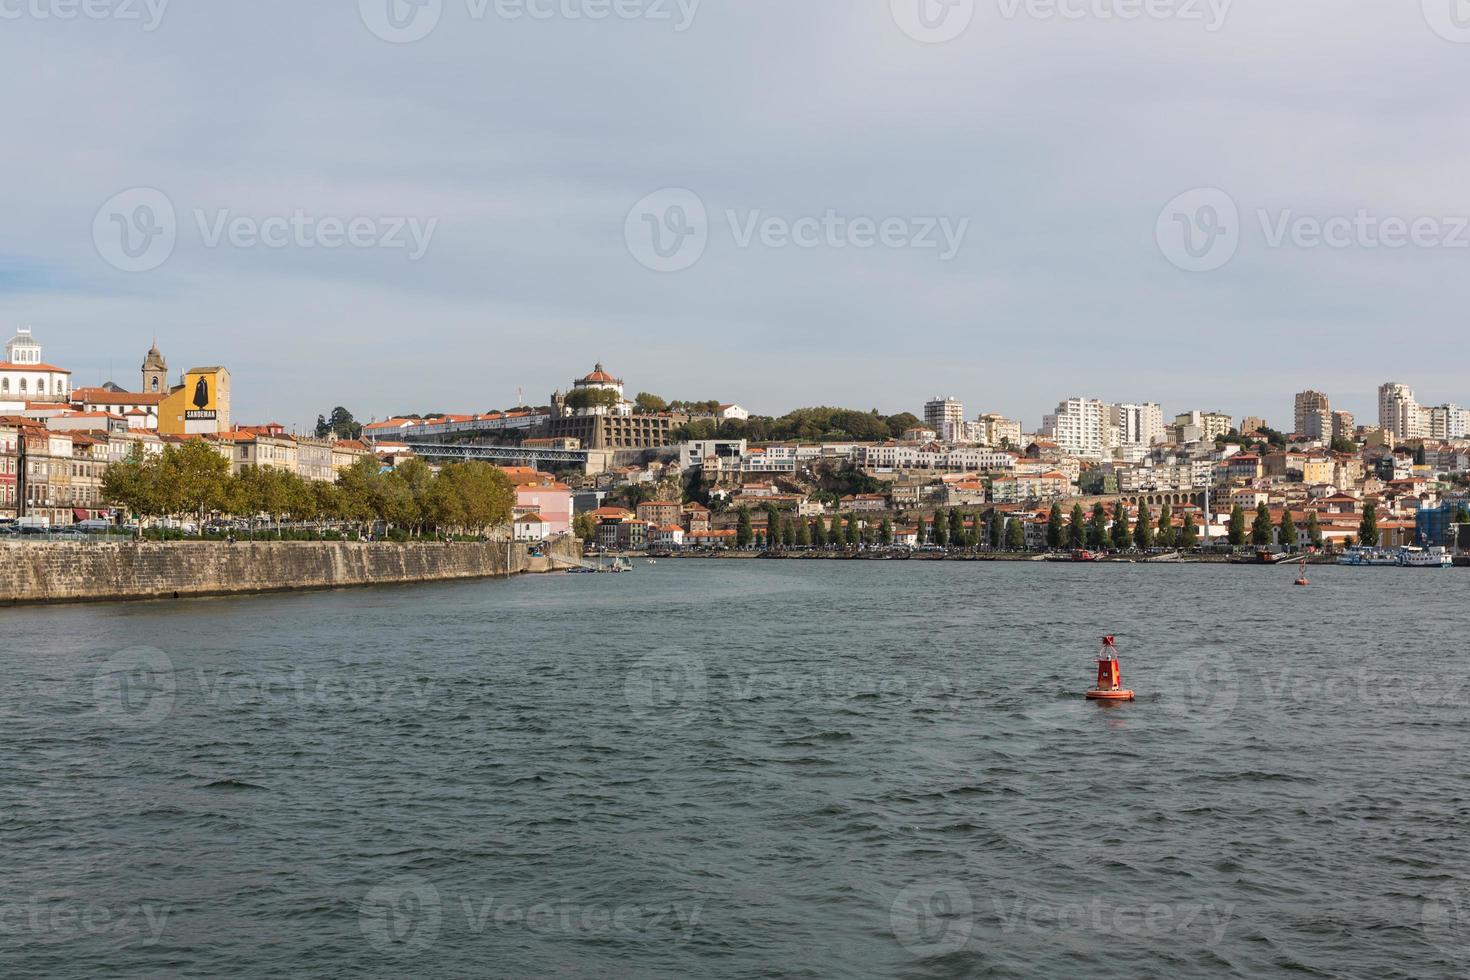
(201, 405)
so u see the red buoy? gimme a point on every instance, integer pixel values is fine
(1109, 675)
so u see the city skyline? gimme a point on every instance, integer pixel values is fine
(1282, 418)
(526, 206)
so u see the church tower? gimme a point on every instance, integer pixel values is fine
(155, 372)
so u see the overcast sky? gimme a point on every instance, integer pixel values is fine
(529, 160)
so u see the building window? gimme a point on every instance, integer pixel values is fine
(22, 386)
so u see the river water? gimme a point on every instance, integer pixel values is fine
(746, 769)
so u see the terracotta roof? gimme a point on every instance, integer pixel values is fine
(52, 368)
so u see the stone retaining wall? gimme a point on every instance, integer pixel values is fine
(85, 572)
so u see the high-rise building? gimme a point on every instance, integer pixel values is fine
(1252, 423)
(1138, 425)
(1313, 415)
(1344, 426)
(946, 416)
(1400, 414)
(1081, 428)
(1448, 422)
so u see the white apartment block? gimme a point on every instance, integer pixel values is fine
(1448, 422)
(946, 416)
(1399, 412)
(1080, 428)
(996, 430)
(895, 456)
(1138, 425)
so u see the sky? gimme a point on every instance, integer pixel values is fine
(432, 205)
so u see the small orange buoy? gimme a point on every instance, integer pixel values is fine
(1302, 579)
(1109, 675)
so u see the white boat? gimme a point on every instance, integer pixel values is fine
(1369, 556)
(1413, 557)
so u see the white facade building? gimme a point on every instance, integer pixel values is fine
(1399, 412)
(946, 416)
(1138, 425)
(1448, 422)
(25, 377)
(1080, 428)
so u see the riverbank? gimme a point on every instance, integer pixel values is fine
(1193, 559)
(64, 572)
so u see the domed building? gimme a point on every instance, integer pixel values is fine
(597, 413)
(25, 377)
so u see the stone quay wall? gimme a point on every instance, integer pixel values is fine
(40, 572)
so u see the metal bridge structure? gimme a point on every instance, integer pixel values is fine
(501, 455)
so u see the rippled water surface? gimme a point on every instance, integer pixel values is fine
(746, 769)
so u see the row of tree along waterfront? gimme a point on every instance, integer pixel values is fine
(998, 531)
(193, 479)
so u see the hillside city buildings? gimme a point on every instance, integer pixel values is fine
(594, 444)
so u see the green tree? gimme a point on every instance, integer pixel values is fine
(1261, 526)
(940, 530)
(339, 423)
(744, 532)
(1143, 531)
(1462, 514)
(919, 521)
(1314, 529)
(649, 404)
(958, 537)
(1054, 527)
(584, 526)
(1368, 529)
(853, 533)
(1166, 537)
(995, 529)
(1097, 528)
(131, 484)
(1188, 534)
(1288, 529)
(1122, 534)
(1015, 535)
(885, 532)
(1077, 528)
(803, 533)
(196, 478)
(1237, 526)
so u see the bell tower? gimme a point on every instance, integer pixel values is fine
(155, 372)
